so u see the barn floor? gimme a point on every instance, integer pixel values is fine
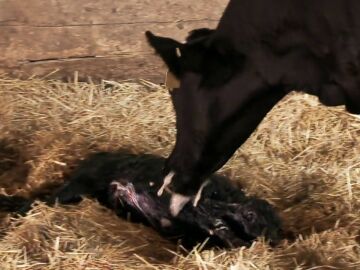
(304, 158)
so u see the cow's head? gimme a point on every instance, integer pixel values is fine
(219, 102)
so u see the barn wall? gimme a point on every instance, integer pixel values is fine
(103, 39)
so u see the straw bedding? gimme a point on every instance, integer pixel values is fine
(304, 158)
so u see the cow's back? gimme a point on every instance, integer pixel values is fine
(256, 20)
(301, 44)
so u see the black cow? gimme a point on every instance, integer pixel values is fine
(232, 76)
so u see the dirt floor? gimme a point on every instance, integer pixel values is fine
(304, 158)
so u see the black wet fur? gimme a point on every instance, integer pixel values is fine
(224, 214)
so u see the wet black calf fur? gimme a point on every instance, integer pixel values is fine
(128, 183)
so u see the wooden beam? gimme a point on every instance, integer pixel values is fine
(102, 39)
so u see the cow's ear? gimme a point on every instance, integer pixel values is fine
(221, 63)
(198, 34)
(168, 49)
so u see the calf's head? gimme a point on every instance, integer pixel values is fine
(255, 217)
(218, 104)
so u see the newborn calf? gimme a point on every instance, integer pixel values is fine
(128, 184)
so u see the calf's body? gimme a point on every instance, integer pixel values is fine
(128, 184)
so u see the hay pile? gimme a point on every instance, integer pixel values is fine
(304, 158)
